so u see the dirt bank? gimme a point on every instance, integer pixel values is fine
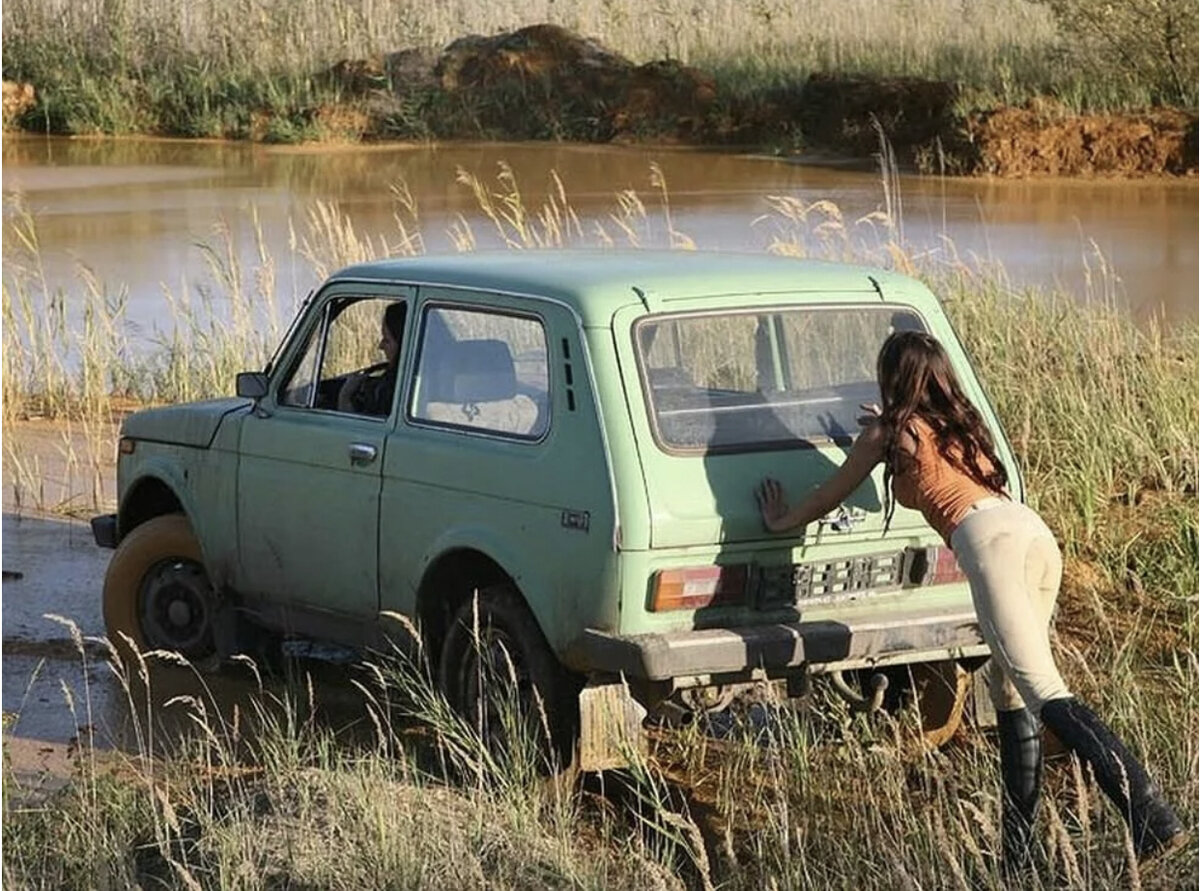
(544, 82)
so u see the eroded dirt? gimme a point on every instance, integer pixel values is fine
(1042, 139)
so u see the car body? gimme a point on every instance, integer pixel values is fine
(580, 432)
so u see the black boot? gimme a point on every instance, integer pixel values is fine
(1153, 823)
(1021, 771)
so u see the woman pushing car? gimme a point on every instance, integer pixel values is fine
(939, 459)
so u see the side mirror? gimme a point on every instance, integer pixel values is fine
(251, 384)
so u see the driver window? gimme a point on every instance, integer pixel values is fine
(354, 367)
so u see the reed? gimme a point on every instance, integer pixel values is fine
(772, 796)
(1103, 417)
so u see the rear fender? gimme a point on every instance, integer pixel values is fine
(506, 554)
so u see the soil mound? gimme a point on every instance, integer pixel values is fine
(542, 81)
(1036, 140)
(552, 79)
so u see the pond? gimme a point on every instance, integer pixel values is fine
(135, 213)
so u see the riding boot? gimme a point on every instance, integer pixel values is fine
(1154, 825)
(1020, 738)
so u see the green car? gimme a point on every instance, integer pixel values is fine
(555, 464)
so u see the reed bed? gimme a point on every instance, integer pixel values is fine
(251, 68)
(280, 795)
(1103, 416)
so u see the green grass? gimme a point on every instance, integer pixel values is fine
(1103, 415)
(251, 69)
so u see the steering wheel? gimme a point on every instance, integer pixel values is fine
(375, 370)
(374, 375)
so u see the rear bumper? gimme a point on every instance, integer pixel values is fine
(104, 530)
(913, 637)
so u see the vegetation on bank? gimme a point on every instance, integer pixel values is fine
(261, 69)
(283, 795)
(1103, 416)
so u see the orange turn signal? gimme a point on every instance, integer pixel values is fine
(126, 445)
(698, 587)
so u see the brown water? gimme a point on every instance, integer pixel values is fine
(134, 211)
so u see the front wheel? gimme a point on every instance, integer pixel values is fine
(498, 672)
(157, 595)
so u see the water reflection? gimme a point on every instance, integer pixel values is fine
(133, 210)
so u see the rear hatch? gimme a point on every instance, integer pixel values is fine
(722, 399)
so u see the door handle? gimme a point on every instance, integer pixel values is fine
(362, 453)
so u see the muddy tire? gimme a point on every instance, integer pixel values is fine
(157, 593)
(942, 689)
(484, 651)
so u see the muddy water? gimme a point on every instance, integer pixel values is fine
(134, 211)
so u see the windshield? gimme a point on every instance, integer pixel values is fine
(762, 379)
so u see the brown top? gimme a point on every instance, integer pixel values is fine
(938, 489)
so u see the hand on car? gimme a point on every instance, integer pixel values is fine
(772, 504)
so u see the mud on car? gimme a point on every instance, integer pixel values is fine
(561, 471)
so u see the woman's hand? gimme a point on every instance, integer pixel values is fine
(772, 504)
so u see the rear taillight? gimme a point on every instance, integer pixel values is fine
(698, 587)
(933, 566)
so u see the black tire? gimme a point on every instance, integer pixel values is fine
(157, 593)
(475, 676)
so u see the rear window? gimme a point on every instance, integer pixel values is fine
(764, 379)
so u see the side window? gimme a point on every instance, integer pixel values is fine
(484, 371)
(351, 360)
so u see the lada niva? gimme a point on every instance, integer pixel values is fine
(556, 460)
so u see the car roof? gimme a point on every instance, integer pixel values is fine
(595, 283)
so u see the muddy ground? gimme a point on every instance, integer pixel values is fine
(545, 82)
(61, 696)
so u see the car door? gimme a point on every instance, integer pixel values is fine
(310, 468)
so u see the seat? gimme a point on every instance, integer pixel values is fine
(475, 385)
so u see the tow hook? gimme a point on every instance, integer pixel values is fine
(857, 702)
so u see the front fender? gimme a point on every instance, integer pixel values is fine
(161, 470)
(153, 470)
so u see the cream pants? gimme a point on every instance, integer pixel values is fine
(1014, 568)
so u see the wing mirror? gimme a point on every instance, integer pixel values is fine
(251, 384)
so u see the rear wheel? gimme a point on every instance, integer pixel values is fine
(497, 670)
(941, 690)
(157, 595)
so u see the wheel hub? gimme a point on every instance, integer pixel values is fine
(179, 613)
(176, 608)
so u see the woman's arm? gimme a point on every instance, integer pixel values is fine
(778, 516)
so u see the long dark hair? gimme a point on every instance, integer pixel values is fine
(916, 380)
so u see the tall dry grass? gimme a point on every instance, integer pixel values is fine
(1102, 413)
